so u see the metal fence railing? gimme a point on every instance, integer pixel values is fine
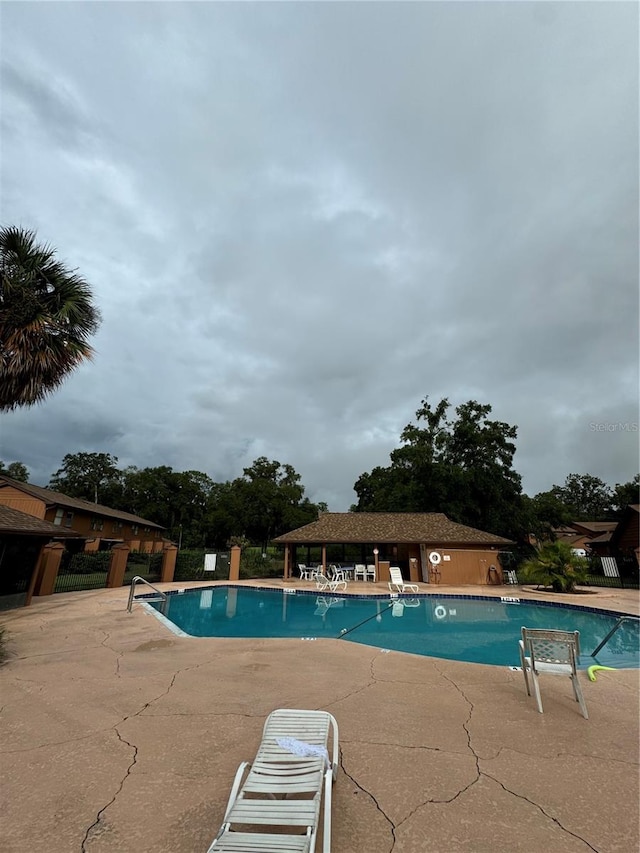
(190, 566)
(82, 571)
(147, 566)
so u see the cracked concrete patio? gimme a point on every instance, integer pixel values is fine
(119, 736)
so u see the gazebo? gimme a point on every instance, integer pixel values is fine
(427, 546)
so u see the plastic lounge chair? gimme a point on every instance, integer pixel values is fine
(396, 584)
(553, 652)
(370, 573)
(335, 573)
(292, 759)
(323, 604)
(323, 583)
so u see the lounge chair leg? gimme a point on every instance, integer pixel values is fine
(536, 690)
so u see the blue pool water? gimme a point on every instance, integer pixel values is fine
(464, 628)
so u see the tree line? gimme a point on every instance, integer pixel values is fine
(267, 500)
(460, 465)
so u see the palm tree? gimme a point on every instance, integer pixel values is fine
(46, 318)
(555, 565)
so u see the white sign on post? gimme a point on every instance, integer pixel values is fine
(210, 562)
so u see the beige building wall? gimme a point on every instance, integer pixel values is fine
(9, 496)
(460, 567)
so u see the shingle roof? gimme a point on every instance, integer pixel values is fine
(58, 499)
(596, 526)
(602, 539)
(395, 527)
(16, 522)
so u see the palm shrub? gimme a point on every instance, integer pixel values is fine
(556, 566)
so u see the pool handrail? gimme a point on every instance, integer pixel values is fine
(619, 621)
(162, 596)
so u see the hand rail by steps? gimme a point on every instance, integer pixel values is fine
(162, 596)
(619, 622)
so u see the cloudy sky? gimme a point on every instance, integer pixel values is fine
(300, 219)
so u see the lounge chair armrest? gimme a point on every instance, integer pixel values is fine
(326, 830)
(240, 772)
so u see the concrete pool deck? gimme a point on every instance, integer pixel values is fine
(118, 735)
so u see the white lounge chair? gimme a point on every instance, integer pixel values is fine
(293, 758)
(323, 604)
(552, 652)
(370, 573)
(323, 583)
(396, 584)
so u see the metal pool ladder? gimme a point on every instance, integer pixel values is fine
(159, 596)
(619, 622)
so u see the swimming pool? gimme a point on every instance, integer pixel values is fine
(455, 627)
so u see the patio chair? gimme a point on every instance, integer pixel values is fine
(396, 584)
(360, 572)
(371, 573)
(305, 572)
(335, 573)
(552, 652)
(292, 758)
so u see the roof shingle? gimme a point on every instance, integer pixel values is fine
(12, 521)
(371, 527)
(59, 499)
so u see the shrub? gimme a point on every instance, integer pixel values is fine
(254, 565)
(556, 566)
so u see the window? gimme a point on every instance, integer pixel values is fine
(68, 518)
(97, 523)
(59, 513)
(116, 527)
(134, 529)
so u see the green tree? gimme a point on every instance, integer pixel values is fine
(91, 476)
(546, 512)
(462, 467)
(266, 501)
(556, 566)
(625, 494)
(46, 318)
(586, 497)
(150, 492)
(178, 500)
(15, 470)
